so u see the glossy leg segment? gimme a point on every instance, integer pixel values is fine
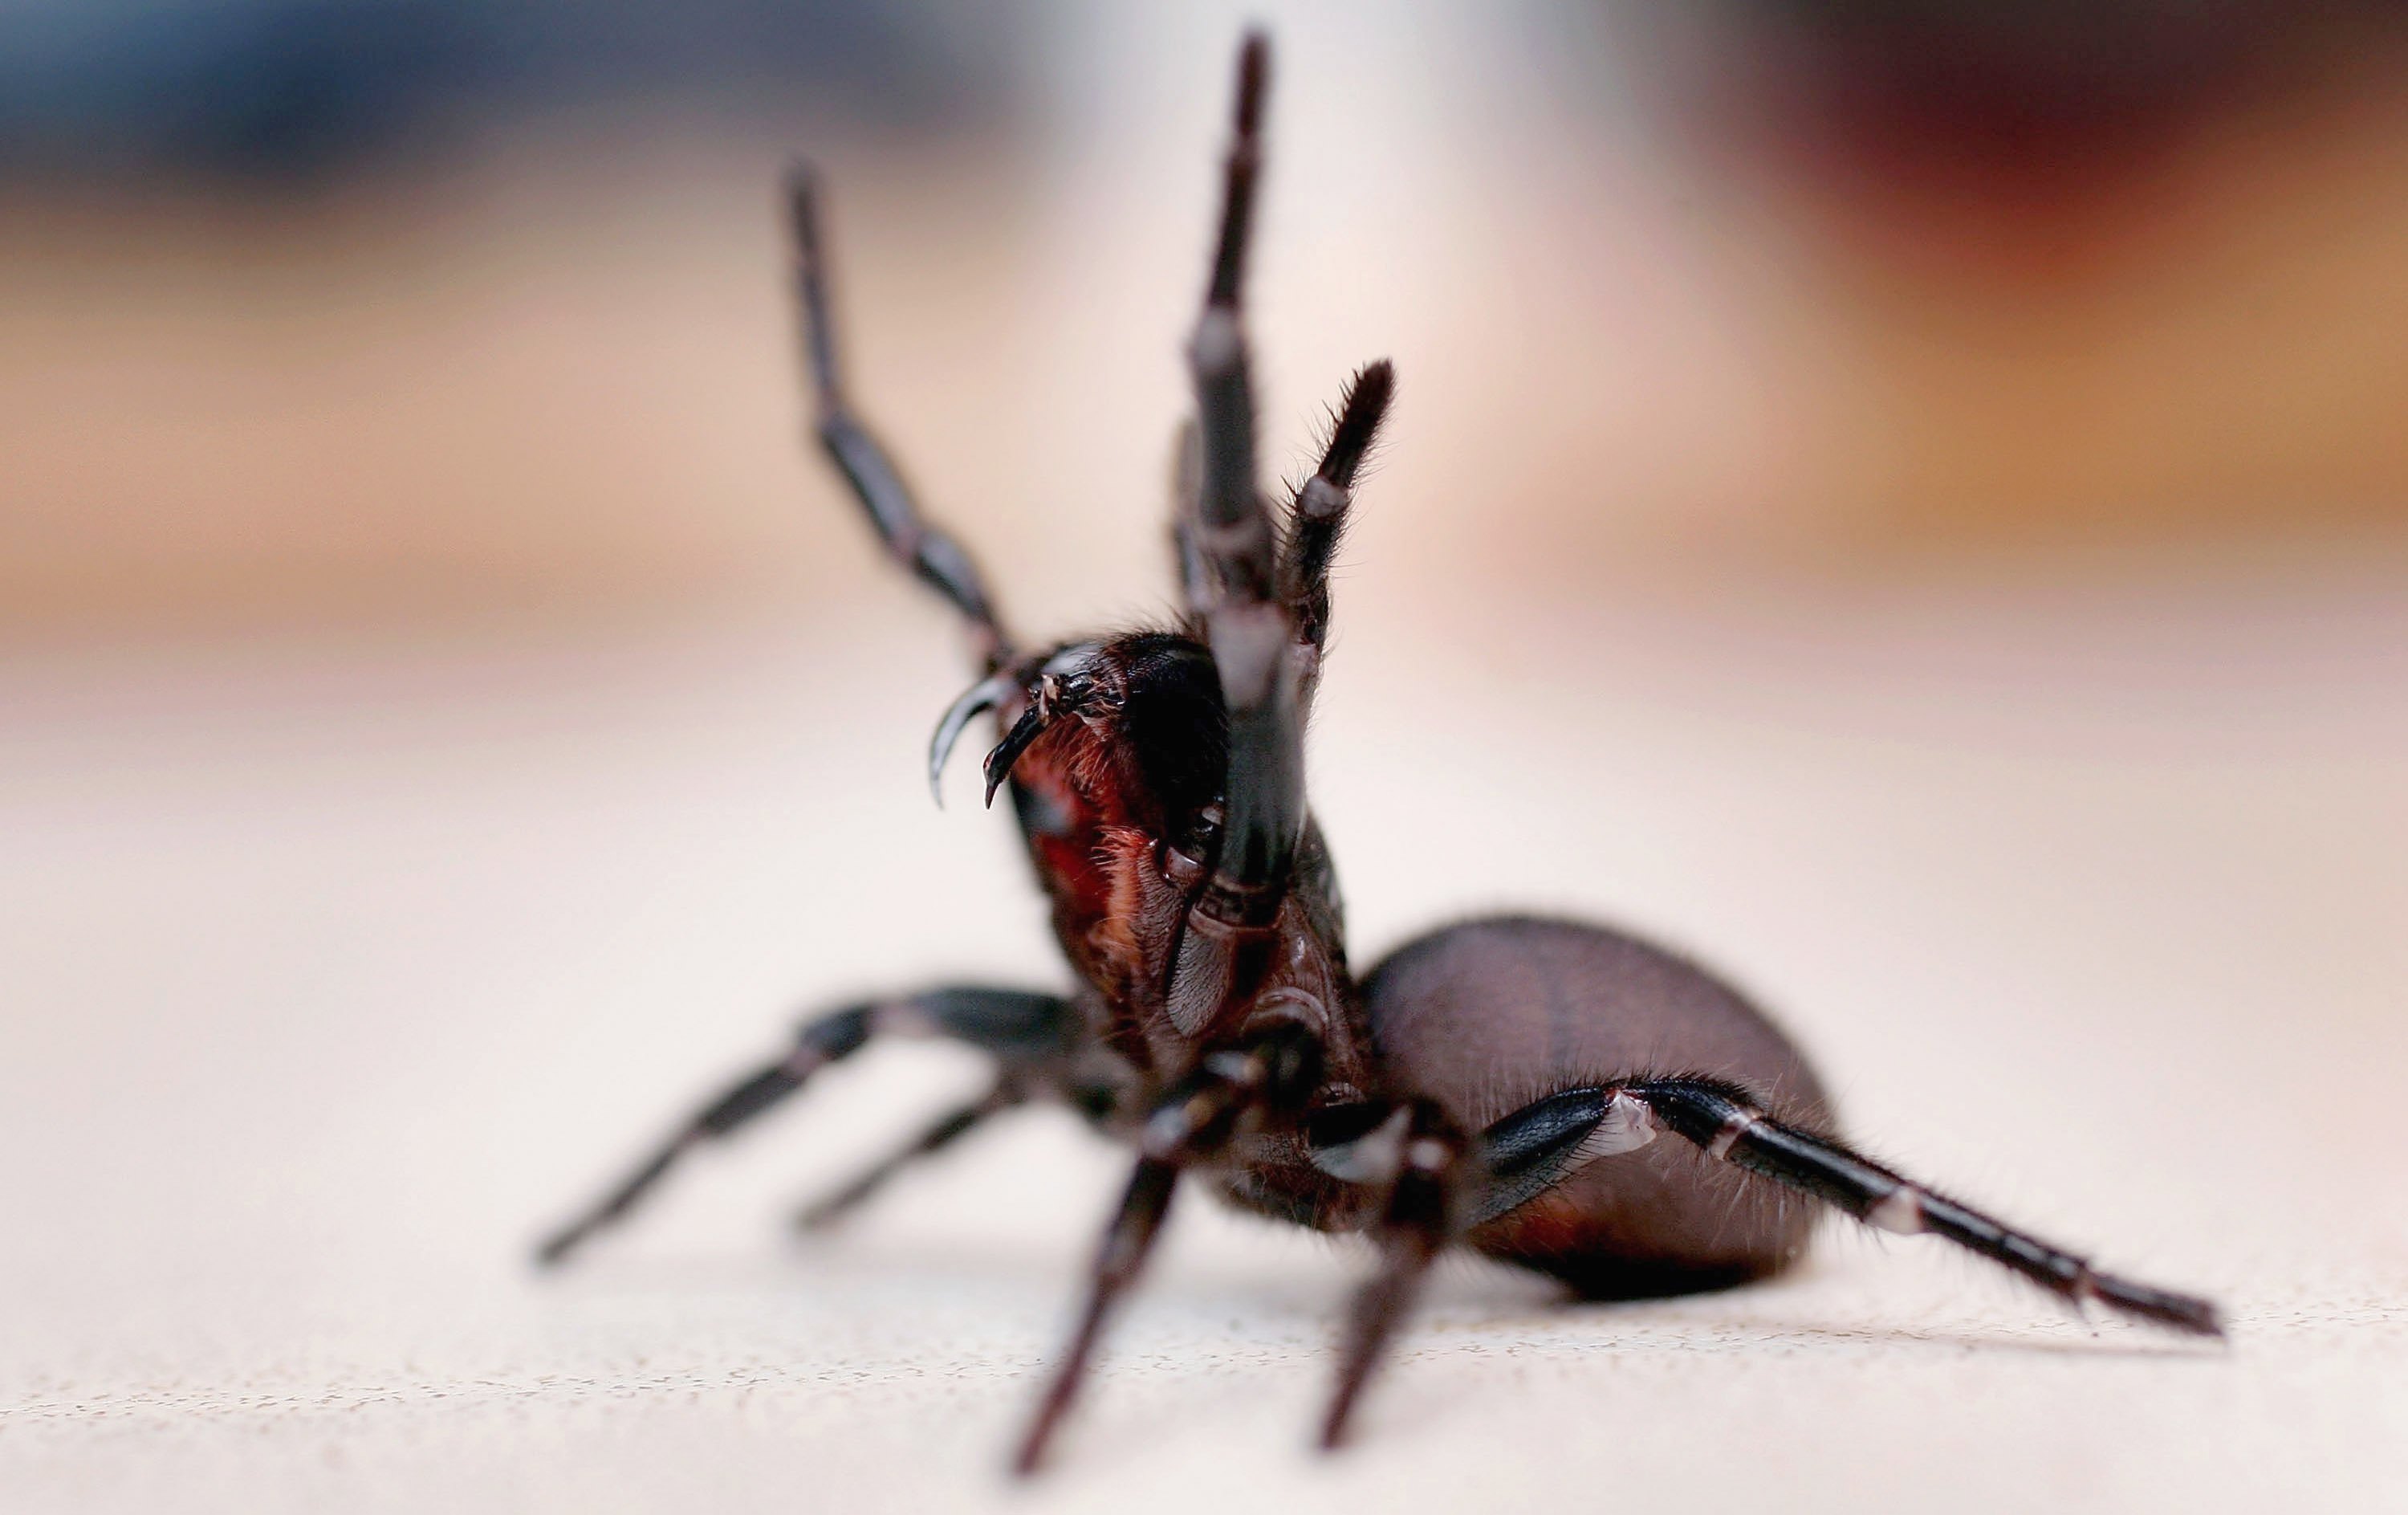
(927, 552)
(1127, 1242)
(1538, 1147)
(1193, 1121)
(1186, 557)
(1721, 1121)
(1419, 1220)
(1235, 548)
(1318, 516)
(938, 1134)
(1024, 1031)
(1234, 530)
(1553, 1137)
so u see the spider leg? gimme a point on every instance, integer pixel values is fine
(1317, 517)
(1128, 1241)
(940, 1133)
(1193, 1120)
(1244, 620)
(1721, 1119)
(1542, 1143)
(1032, 1032)
(920, 546)
(1186, 556)
(1233, 528)
(1419, 1220)
(1533, 1148)
(1229, 561)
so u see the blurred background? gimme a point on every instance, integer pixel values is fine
(1908, 501)
(412, 310)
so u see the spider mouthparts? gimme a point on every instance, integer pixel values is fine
(976, 701)
(1008, 751)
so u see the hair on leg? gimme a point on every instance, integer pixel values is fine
(1318, 518)
(1023, 1031)
(920, 546)
(1725, 1122)
(1192, 1122)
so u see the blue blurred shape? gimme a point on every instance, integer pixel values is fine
(290, 90)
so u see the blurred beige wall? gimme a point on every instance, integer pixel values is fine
(552, 374)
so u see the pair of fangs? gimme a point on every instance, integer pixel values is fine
(1064, 682)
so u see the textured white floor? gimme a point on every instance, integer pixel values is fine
(333, 973)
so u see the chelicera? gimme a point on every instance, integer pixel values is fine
(1545, 1093)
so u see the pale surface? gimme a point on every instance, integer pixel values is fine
(334, 973)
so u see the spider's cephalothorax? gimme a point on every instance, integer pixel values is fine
(1500, 1084)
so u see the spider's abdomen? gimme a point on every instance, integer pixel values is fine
(1489, 1014)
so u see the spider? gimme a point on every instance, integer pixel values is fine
(1500, 1083)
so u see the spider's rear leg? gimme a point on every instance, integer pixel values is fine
(1549, 1141)
(1486, 1014)
(1726, 1122)
(1032, 1036)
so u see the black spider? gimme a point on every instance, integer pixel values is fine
(1500, 1083)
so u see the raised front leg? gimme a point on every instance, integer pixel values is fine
(1032, 1037)
(909, 537)
(1237, 544)
(1318, 518)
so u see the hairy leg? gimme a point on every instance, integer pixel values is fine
(1420, 1218)
(1193, 1121)
(924, 549)
(1318, 516)
(1035, 1034)
(938, 1135)
(1531, 1150)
